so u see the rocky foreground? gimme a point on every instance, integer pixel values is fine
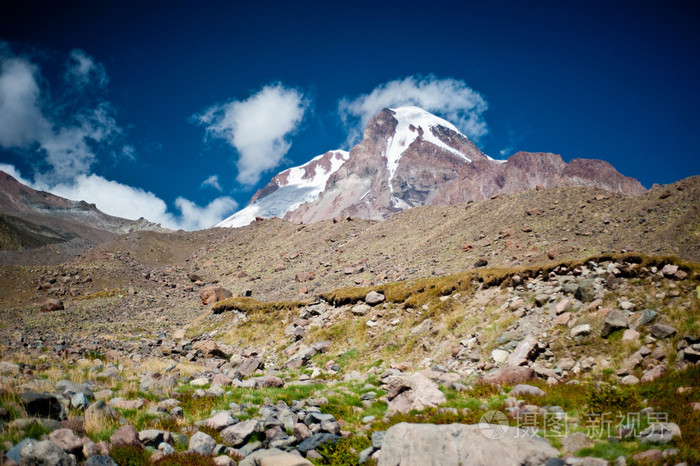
(580, 362)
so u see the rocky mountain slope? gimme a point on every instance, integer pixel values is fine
(32, 219)
(319, 339)
(408, 158)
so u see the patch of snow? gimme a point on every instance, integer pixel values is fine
(295, 192)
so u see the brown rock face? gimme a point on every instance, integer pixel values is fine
(214, 294)
(437, 165)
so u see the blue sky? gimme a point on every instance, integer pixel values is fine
(180, 111)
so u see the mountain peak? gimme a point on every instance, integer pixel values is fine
(409, 157)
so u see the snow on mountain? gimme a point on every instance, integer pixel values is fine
(289, 189)
(412, 123)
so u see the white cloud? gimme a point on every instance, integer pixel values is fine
(258, 128)
(82, 70)
(21, 121)
(67, 135)
(197, 218)
(213, 182)
(125, 201)
(449, 98)
(66, 139)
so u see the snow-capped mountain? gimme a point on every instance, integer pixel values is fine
(289, 189)
(409, 157)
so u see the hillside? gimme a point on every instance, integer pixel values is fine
(562, 290)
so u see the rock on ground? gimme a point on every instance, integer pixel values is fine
(415, 391)
(44, 453)
(457, 444)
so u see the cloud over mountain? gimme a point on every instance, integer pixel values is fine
(63, 131)
(449, 98)
(258, 127)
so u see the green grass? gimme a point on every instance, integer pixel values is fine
(611, 450)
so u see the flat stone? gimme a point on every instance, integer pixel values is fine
(67, 440)
(237, 434)
(220, 421)
(580, 330)
(641, 318)
(525, 351)
(615, 320)
(662, 330)
(457, 444)
(524, 389)
(373, 298)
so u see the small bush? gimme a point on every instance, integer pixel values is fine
(129, 455)
(605, 398)
(189, 458)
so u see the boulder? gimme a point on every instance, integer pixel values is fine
(67, 440)
(640, 318)
(41, 405)
(237, 434)
(615, 320)
(99, 460)
(654, 373)
(125, 435)
(662, 330)
(525, 351)
(510, 375)
(214, 294)
(575, 441)
(52, 304)
(316, 440)
(220, 421)
(202, 443)
(273, 457)
(414, 391)
(99, 415)
(585, 291)
(524, 389)
(152, 437)
(373, 298)
(580, 330)
(44, 453)
(458, 444)
(662, 432)
(360, 309)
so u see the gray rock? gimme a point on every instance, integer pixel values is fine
(67, 440)
(273, 457)
(414, 391)
(41, 405)
(615, 320)
(580, 330)
(80, 401)
(524, 389)
(71, 388)
(151, 437)
(525, 351)
(641, 318)
(457, 444)
(575, 441)
(662, 432)
(220, 421)
(125, 435)
(202, 443)
(662, 330)
(361, 309)
(585, 291)
(8, 368)
(378, 438)
(237, 434)
(316, 440)
(365, 454)
(13, 453)
(629, 380)
(99, 460)
(373, 298)
(44, 453)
